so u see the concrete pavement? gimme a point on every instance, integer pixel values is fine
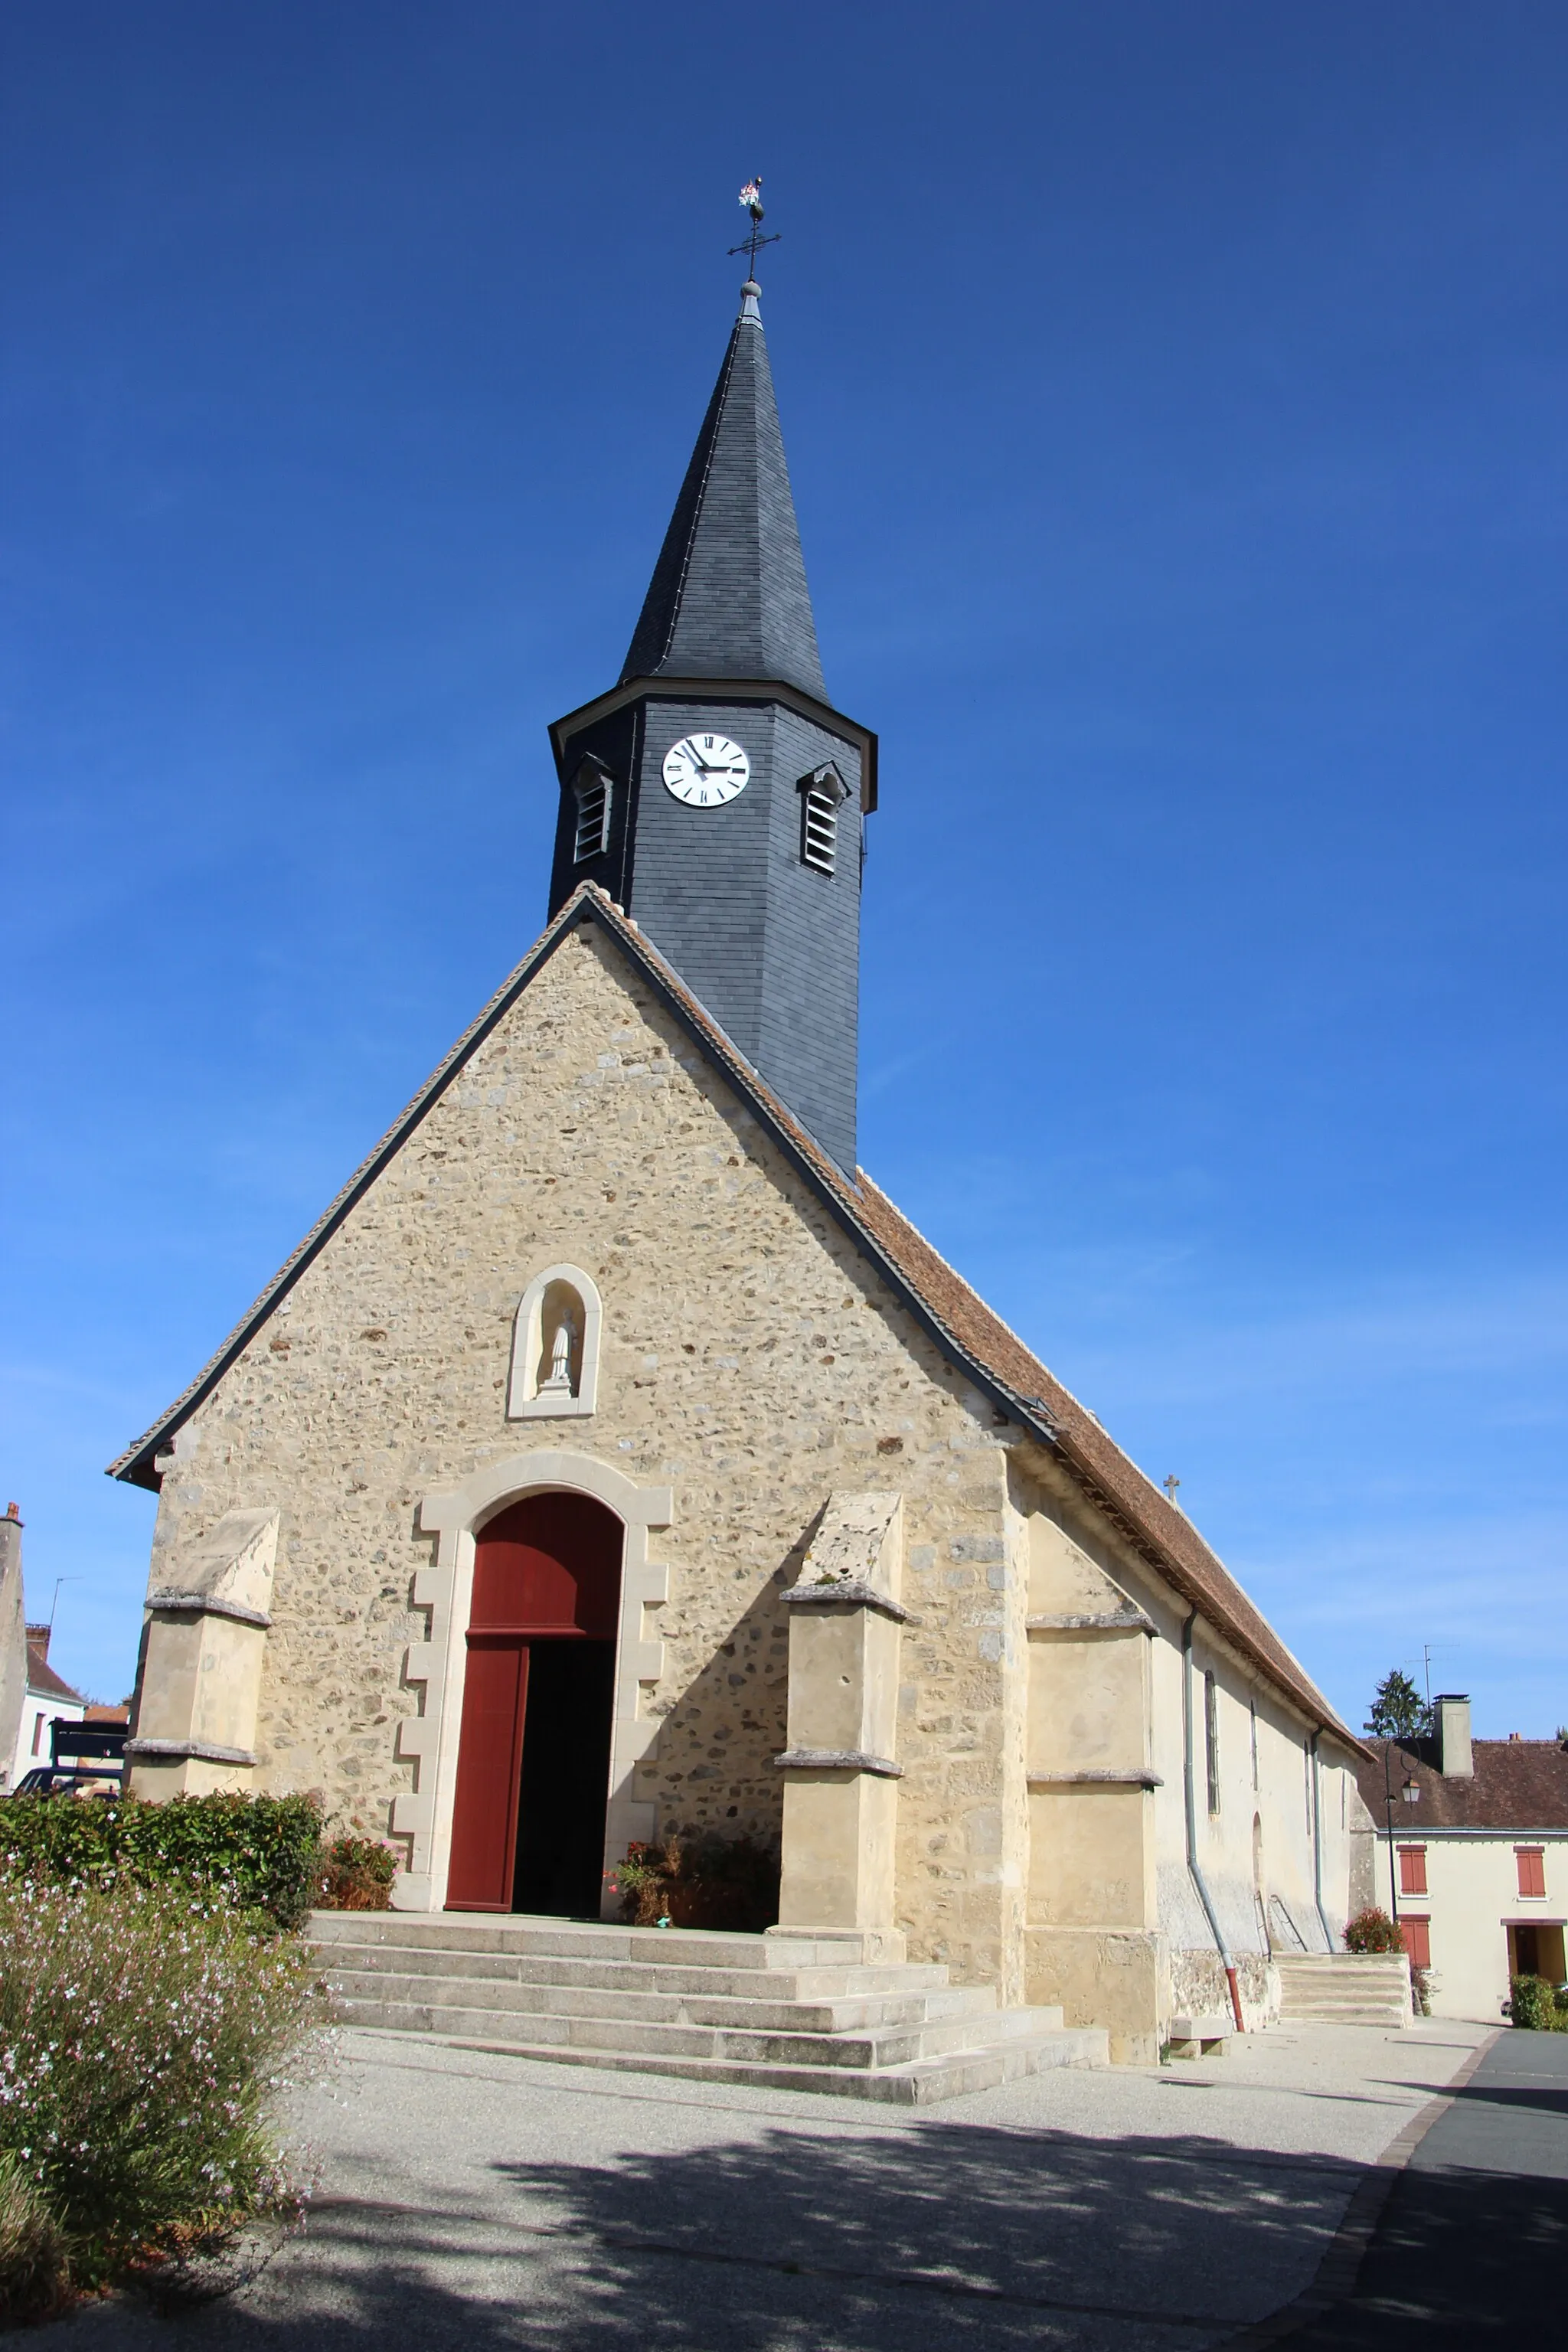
(471, 2200)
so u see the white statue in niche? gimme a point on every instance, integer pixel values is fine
(560, 1380)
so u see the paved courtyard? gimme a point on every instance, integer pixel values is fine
(474, 2201)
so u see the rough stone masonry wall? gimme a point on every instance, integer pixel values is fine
(751, 1359)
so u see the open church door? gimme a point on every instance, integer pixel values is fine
(533, 1756)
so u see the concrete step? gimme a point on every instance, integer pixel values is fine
(590, 1939)
(922, 2083)
(544, 1969)
(1356, 1965)
(659, 2007)
(1390, 2016)
(879, 2047)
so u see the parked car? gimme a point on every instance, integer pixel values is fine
(87, 1760)
(43, 1781)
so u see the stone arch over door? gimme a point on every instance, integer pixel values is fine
(431, 1738)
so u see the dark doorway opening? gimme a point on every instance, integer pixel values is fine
(533, 1753)
(565, 1772)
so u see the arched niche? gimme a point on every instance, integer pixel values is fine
(555, 1348)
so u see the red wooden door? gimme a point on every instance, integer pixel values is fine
(489, 1770)
(547, 1568)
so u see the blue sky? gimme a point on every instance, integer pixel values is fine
(1175, 401)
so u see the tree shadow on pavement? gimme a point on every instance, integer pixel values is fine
(803, 2241)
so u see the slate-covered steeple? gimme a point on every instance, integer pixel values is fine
(715, 792)
(728, 597)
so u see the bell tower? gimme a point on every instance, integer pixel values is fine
(715, 792)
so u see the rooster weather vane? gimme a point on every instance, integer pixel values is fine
(752, 203)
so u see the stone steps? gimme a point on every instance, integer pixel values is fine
(1345, 1989)
(790, 2013)
(562, 1997)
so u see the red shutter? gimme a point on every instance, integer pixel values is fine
(1417, 1935)
(1532, 1861)
(1413, 1870)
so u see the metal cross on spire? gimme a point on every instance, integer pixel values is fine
(751, 200)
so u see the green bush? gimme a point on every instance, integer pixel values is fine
(260, 1853)
(707, 1881)
(1372, 1931)
(354, 1874)
(1536, 2005)
(141, 2035)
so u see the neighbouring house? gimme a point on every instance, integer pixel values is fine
(1471, 1856)
(613, 1457)
(50, 1700)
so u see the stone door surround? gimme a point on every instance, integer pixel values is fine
(446, 1589)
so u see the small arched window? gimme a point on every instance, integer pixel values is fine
(555, 1348)
(592, 789)
(1211, 1739)
(822, 794)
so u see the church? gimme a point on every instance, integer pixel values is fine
(612, 1458)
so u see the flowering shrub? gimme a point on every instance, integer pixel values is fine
(1372, 1931)
(354, 1874)
(259, 1853)
(143, 2035)
(710, 1882)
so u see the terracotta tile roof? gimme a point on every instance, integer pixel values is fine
(955, 1315)
(1520, 1785)
(43, 1683)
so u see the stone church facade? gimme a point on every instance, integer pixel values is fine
(613, 1457)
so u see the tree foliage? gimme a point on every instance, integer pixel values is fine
(1398, 1709)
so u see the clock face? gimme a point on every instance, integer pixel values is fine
(706, 771)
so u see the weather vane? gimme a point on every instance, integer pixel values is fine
(752, 201)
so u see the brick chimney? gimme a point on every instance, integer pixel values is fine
(1452, 1710)
(38, 1640)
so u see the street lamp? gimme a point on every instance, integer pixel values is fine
(1410, 1790)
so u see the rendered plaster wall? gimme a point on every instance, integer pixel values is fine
(1093, 1942)
(749, 1360)
(1110, 1700)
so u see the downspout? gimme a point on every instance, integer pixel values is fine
(1193, 1866)
(1318, 1850)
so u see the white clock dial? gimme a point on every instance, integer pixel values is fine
(706, 771)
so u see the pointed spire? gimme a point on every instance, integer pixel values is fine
(728, 597)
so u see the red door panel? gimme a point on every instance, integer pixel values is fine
(550, 1565)
(489, 1765)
